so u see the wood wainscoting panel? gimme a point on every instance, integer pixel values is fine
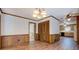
(37, 37)
(54, 38)
(12, 40)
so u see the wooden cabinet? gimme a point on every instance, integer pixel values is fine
(43, 31)
(70, 34)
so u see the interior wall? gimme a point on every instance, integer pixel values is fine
(54, 26)
(37, 27)
(11, 25)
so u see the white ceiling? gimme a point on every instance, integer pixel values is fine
(27, 12)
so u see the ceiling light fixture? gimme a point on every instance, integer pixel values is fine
(69, 19)
(39, 13)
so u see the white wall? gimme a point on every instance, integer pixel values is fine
(75, 33)
(11, 25)
(54, 26)
(36, 27)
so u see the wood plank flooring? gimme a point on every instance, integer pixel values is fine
(65, 43)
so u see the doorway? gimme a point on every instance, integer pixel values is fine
(32, 31)
(43, 30)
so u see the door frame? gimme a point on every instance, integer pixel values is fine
(34, 29)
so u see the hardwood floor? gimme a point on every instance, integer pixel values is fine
(65, 43)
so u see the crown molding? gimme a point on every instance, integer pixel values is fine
(16, 15)
(19, 16)
(30, 18)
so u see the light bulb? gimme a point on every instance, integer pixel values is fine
(38, 13)
(69, 19)
(34, 15)
(44, 15)
(38, 17)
